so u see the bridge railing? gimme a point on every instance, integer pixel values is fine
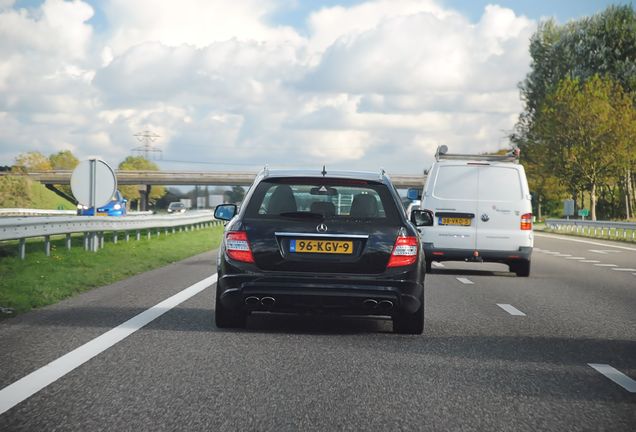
(600, 229)
(94, 227)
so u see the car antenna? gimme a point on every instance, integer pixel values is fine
(324, 171)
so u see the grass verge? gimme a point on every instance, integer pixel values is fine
(40, 280)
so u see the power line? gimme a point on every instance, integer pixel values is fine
(147, 138)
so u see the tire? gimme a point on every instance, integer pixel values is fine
(521, 268)
(410, 323)
(227, 318)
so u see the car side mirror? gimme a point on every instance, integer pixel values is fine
(225, 211)
(422, 217)
(413, 194)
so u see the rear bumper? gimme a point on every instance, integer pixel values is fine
(337, 294)
(436, 254)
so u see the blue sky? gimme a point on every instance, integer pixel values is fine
(289, 83)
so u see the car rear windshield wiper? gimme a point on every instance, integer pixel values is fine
(302, 215)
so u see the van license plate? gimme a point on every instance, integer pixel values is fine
(454, 221)
(321, 246)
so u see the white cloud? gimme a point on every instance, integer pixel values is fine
(376, 84)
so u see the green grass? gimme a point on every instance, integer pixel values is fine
(45, 199)
(40, 280)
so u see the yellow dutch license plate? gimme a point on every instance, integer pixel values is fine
(102, 214)
(454, 221)
(321, 246)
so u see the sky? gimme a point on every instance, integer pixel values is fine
(235, 85)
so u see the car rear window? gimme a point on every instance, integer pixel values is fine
(327, 197)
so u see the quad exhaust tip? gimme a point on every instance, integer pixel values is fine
(252, 301)
(370, 303)
(385, 304)
(268, 301)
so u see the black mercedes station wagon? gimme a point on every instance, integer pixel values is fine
(306, 241)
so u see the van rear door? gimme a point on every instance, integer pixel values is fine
(499, 208)
(453, 201)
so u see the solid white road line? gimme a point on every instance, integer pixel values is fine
(511, 309)
(624, 269)
(606, 265)
(25, 387)
(590, 261)
(615, 375)
(437, 264)
(465, 281)
(584, 241)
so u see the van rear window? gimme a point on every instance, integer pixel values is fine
(456, 182)
(478, 183)
(499, 184)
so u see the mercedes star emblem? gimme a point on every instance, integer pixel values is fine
(321, 228)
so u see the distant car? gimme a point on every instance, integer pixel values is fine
(308, 241)
(176, 207)
(115, 207)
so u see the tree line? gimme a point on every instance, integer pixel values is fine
(577, 131)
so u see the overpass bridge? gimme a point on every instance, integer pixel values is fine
(192, 178)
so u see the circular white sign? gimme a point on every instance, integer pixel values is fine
(94, 178)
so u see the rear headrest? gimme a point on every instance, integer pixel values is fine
(323, 207)
(364, 206)
(282, 201)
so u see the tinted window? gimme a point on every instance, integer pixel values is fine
(330, 198)
(499, 184)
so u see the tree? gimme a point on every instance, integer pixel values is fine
(139, 163)
(581, 128)
(601, 45)
(63, 160)
(32, 161)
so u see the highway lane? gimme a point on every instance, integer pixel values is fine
(476, 367)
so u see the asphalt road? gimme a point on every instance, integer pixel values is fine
(477, 367)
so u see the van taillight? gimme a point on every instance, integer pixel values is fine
(238, 247)
(404, 252)
(526, 221)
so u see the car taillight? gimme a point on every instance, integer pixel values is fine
(404, 252)
(238, 247)
(526, 221)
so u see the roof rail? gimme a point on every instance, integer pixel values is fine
(511, 156)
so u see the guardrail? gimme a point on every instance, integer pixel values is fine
(601, 229)
(93, 227)
(6, 212)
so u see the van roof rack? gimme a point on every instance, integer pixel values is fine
(511, 156)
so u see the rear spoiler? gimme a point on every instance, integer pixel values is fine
(511, 156)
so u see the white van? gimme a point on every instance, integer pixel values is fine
(480, 211)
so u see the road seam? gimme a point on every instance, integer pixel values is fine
(27, 386)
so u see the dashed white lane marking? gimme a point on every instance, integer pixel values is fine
(562, 255)
(551, 253)
(575, 258)
(465, 281)
(624, 269)
(25, 387)
(590, 261)
(604, 251)
(606, 265)
(437, 264)
(584, 241)
(615, 375)
(511, 309)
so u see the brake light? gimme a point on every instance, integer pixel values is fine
(404, 252)
(526, 221)
(238, 247)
